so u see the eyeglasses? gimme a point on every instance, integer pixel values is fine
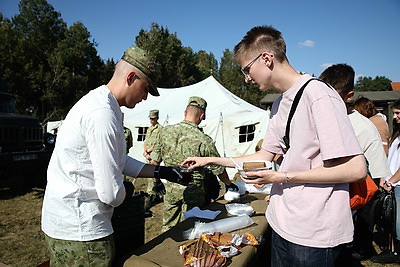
(246, 69)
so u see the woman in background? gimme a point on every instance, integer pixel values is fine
(367, 108)
(392, 183)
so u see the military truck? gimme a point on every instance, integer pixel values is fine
(25, 148)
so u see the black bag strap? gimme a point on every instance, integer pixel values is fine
(293, 109)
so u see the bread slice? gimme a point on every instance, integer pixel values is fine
(253, 165)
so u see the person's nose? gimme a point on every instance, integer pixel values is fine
(247, 78)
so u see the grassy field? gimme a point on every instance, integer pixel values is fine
(21, 240)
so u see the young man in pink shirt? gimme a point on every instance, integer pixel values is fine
(309, 209)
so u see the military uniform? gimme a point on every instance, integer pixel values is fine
(151, 138)
(152, 135)
(175, 144)
(128, 138)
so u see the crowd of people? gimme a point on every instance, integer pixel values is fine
(328, 144)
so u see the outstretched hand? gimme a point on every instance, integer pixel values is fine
(195, 162)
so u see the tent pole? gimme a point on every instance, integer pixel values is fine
(221, 122)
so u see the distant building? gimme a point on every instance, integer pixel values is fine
(395, 86)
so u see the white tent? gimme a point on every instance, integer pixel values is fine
(235, 125)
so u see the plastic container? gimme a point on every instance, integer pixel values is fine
(268, 166)
(224, 226)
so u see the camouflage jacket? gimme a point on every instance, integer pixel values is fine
(152, 135)
(180, 141)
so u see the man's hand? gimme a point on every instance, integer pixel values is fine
(159, 188)
(146, 154)
(173, 174)
(232, 187)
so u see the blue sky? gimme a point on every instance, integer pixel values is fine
(362, 33)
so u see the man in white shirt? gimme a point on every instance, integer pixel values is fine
(341, 77)
(85, 173)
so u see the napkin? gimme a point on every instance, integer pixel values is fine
(205, 214)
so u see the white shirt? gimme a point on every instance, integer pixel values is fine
(394, 159)
(371, 143)
(84, 177)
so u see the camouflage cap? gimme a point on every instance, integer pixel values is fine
(140, 59)
(153, 113)
(198, 102)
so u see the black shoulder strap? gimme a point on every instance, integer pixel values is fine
(293, 109)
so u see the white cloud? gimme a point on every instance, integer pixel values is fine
(326, 65)
(307, 43)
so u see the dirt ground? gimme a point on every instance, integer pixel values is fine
(22, 242)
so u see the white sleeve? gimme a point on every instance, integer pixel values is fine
(105, 156)
(132, 167)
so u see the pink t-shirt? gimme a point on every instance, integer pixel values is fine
(315, 215)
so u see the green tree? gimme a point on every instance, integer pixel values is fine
(39, 29)
(76, 69)
(11, 63)
(45, 64)
(179, 65)
(207, 64)
(380, 83)
(232, 78)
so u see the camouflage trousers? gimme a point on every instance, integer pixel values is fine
(100, 252)
(150, 183)
(180, 199)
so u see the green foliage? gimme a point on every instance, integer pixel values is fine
(45, 64)
(74, 63)
(179, 65)
(380, 83)
(232, 78)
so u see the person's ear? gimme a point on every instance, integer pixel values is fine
(202, 116)
(350, 96)
(267, 58)
(131, 77)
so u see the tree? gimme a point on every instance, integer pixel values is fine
(39, 29)
(380, 83)
(207, 64)
(10, 53)
(179, 66)
(45, 64)
(233, 79)
(75, 68)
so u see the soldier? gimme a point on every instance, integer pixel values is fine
(174, 145)
(128, 139)
(155, 189)
(152, 134)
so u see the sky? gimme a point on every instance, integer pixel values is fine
(362, 33)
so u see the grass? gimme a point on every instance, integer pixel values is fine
(21, 240)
